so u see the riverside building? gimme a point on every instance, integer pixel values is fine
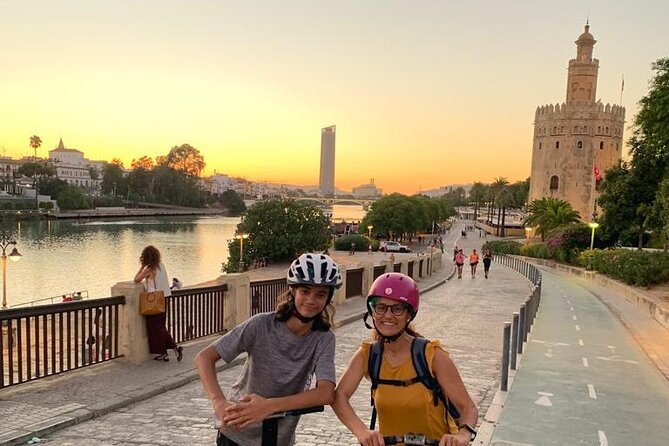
(576, 141)
(327, 172)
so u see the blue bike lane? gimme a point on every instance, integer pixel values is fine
(582, 380)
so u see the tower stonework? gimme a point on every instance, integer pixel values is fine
(327, 171)
(574, 137)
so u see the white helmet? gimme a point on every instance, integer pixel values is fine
(314, 269)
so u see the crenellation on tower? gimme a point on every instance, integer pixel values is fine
(571, 138)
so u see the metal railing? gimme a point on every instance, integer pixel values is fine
(46, 340)
(67, 297)
(515, 333)
(354, 282)
(410, 268)
(264, 294)
(196, 312)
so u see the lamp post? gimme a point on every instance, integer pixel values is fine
(14, 256)
(528, 232)
(593, 225)
(241, 236)
(369, 231)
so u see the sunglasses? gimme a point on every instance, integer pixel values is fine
(397, 309)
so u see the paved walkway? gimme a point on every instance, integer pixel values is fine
(582, 378)
(170, 409)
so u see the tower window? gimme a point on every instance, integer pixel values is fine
(575, 129)
(579, 145)
(562, 129)
(555, 182)
(585, 129)
(539, 146)
(557, 144)
(555, 129)
(599, 129)
(607, 130)
(601, 145)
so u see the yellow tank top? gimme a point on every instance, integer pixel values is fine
(408, 409)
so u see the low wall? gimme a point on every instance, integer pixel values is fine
(656, 310)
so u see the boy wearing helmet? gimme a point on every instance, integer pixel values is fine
(403, 403)
(284, 349)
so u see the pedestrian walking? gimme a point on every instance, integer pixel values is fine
(439, 407)
(153, 272)
(459, 262)
(284, 349)
(473, 262)
(352, 251)
(487, 260)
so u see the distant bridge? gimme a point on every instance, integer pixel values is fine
(365, 203)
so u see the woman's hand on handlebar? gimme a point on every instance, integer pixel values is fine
(249, 410)
(370, 438)
(454, 440)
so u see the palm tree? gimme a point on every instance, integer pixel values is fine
(550, 213)
(476, 195)
(498, 187)
(35, 143)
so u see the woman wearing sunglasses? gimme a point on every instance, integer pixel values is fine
(404, 403)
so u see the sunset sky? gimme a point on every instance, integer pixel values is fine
(423, 93)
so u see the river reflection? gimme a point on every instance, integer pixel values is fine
(64, 256)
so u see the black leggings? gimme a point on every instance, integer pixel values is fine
(222, 440)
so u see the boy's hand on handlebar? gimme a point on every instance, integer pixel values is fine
(249, 410)
(370, 438)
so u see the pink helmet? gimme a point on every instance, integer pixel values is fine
(395, 286)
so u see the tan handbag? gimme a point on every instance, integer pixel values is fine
(151, 302)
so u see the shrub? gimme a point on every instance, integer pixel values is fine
(361, 243)
(537, 250)
(640, 268)
(502, 247)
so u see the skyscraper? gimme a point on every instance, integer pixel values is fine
(327, 183)
(577, 141)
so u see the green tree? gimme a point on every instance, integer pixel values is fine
(477, 196)
(233, 202)
(549, 213)
(187, 159)
(630, 194)
(71, 198)
(112, 179)
(279, 230)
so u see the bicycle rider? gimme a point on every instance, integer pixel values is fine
(284, 349)
(392, 303)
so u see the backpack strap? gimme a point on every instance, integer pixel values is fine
(374, 369)
(419, 358)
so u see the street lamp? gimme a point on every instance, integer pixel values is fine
(369, 231)
(528, 233)
(14, 256)
(593, 225)
(241, 236)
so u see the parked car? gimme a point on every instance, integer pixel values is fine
(391, 246)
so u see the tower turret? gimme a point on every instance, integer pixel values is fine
(582, 72)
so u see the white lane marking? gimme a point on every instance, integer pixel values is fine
(571, 308)
(574, 318)
(512, 443)
(569, 302)
(580, 342)
(577, 328)
(591, 392)
(561, 344)
(585, 362)
(616, 358)
(602, 439)
(549, 353)
(544, 399)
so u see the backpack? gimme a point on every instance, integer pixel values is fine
(423, 376)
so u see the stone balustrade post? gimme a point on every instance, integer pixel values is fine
(133, 340)
(404, 267)
(340, 294)
(367, 277)
(237, 303)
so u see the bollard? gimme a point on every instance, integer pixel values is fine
(505, 357)
(514, 341)
(528, 323)
(521, 327)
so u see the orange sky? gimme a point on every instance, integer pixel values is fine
(421, 96)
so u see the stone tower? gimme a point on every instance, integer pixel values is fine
(574, 139)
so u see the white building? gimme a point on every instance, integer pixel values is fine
(71, 166)
(367, 190)
(327, 172)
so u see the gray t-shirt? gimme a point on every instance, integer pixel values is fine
(279, 363)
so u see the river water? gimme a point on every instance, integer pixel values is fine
(63, 256)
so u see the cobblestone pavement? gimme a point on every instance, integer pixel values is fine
(466, 314)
